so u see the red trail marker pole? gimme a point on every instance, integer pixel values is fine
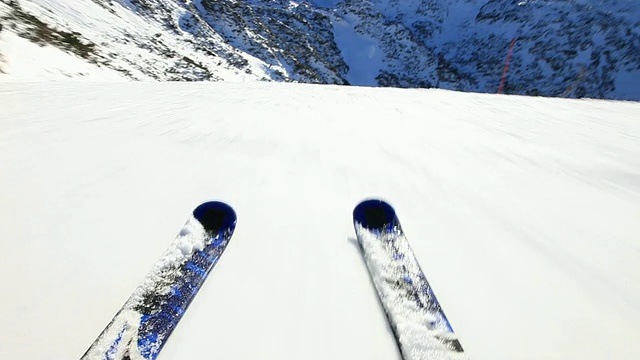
(506, 65)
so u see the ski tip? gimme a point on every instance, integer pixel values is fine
(374, 214)
(215, 216)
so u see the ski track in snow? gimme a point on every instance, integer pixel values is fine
(522, 212)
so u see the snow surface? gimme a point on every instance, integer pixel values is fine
(523, 213)
(118, 31)
(361, 53)
(24, 60)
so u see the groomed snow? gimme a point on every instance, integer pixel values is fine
(523, 213)
(23, 60)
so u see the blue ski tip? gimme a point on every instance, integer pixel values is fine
(374, 214)
(215, 216)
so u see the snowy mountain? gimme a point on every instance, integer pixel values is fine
(563, 48)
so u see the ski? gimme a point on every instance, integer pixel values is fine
(142, 326)
(419, 325)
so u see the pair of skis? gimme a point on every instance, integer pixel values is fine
(144, 323)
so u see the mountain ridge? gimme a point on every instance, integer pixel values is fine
(562, 48)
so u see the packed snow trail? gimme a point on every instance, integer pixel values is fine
(522, 212)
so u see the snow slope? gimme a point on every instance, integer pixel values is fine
(24, 63)
(523, 213)
(126, 41)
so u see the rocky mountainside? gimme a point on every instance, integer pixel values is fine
(575, 48)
